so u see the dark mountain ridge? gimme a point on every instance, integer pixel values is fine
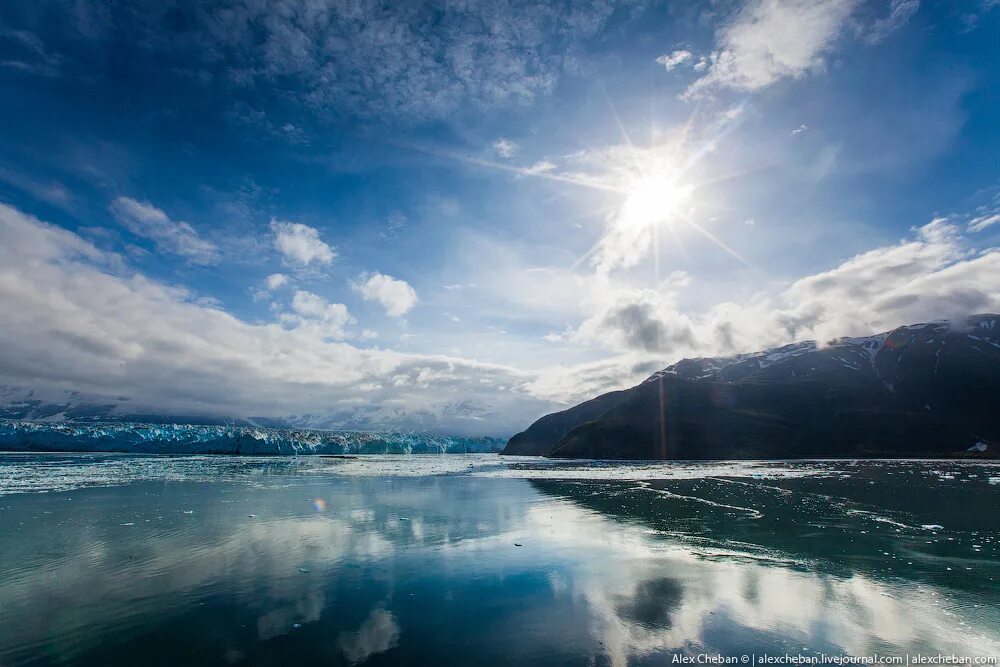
(924, 390)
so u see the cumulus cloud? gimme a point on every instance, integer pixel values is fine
(300, 244)
(396, 296)
(925, 278)
(77, 318)
(171, 236)
(672, 60)
(313, 311)
(930, 276)
(645, 320)
(276, 281)
(272, 283)
(770, 40)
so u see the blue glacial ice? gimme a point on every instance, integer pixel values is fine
(22, 435)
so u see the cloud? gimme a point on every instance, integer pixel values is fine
(396, 296)
(770, 40)
(300, 244)
(673, 60)
(312, 310)
(395, 223)
(77, 318)
(540, 167)
(639, 319)
(927, 278)
(900, 12)
(982, 222)
(367, 59)
(276, 281)
(930, 276)
(51, 192)
(172, 236)
(260, 126)
(986, 215)
(505, 148)
(273, 282)
(25, 52)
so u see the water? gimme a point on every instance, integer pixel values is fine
(127, 559)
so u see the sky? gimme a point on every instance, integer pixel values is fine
(459, 216)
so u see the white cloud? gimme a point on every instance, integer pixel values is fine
(505, 148)
(981, 222)
(312, 310)
(929, 277)
(540, 167)
(770, 40)
(273, 282)
(673, 60)
(276, 281)
(172, 236)
(300, 244)
(900, 11)
(396, 296)
(76, 318)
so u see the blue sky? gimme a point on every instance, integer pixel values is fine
(458, 216)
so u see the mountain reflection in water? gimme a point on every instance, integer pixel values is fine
(242, 562)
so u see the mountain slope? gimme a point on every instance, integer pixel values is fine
(921, 390)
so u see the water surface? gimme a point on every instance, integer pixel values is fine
(125, 560)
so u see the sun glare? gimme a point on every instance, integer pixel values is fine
(654, 199)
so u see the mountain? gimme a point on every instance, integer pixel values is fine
(925, 390)
(461, 417)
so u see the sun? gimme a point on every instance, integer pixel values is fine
(653, 199)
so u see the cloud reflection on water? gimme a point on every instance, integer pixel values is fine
(416, 565)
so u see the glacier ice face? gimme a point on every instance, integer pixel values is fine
(21, 435)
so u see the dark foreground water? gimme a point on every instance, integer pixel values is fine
(131, 560)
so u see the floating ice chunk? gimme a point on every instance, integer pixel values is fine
(932, 526)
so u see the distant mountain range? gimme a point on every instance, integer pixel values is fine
(925, 390)
(59, 406)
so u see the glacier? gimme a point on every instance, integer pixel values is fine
(39, 436)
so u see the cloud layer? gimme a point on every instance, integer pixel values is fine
(77, 318)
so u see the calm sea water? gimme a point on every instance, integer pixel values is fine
(139, 560)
